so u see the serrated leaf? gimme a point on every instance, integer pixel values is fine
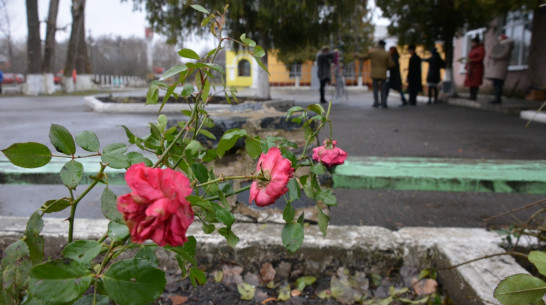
(117, 231)
(327, 197)
(83, 251)
(200, 172)
(292, 236)
(288, 213)
(199, 8)
(174, 71)
(28, 155)
(133, 281)
(59, 281)
(52, 206)
(318, 169)
(109, 208)
(228, 140)
(88, 140)
(62, 139)
(147, 253)
(188, 53)
(293, 190)
(115, 148)
(136, 158)
(246, 291)
(224, 216)
(71, 174)
(116, 160)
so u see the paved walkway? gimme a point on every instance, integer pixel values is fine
(438, 131)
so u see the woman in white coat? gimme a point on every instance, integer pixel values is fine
(496, 66)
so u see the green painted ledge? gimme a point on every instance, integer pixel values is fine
(438, 174)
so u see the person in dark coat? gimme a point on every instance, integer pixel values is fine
(474, 68)
(435, 63)
(395, 79)
(414, 76)
(324, 60)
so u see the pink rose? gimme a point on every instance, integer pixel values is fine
(275, 171)
(329, 154)
(157, 208)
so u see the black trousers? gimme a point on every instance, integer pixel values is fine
(497, 85)
(323, 83)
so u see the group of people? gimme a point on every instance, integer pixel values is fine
(382, 62)
(495, 68)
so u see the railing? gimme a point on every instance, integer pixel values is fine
(118, 80)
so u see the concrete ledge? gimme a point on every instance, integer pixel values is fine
(437, 174)
(534, 116)
(508, 106)
(362, 248)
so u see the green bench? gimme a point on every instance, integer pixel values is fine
(392, 173)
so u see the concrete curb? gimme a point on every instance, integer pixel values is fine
(533, 116)
(359, 247)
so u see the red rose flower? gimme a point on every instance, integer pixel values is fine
(275, 171)
(157, 208)
(329, 154)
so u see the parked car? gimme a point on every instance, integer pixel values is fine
(58, 77)
(12, 78)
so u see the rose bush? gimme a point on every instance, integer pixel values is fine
(173, 181)
(157, 208)
(274, 171)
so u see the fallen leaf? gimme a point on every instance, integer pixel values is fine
(283, 270)
(267, 273)
(232, 274)
(304, 281)
(295, 292)
(218, 276)
(324, 294)
(246, 290)
(284, 292)
(178, 299)
(424, 287)
(271, 299)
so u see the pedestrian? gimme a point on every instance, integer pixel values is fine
(414, 76)
(1, 80)
(380, 61)
(497, 65)
(324, 60)
(474, 67)
(395, 79)
(435, 63)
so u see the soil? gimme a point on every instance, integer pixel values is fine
(142, 99)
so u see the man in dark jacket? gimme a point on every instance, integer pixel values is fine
(414, 76)
(324, 59)
(435, 63)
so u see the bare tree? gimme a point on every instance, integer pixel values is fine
(83, 65)
(78, 9)
(51, 29)
(34, 46)
(5, 29)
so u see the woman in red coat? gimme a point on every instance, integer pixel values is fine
(474, 68)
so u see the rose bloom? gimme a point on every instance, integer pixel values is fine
(276, 171)
(157, 208)
(329, 154)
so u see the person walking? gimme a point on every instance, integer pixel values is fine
(474, 68)
(395, 79)
(496, 66)
(414, 76)
(435, 63)
(324, 60)
(380, 61)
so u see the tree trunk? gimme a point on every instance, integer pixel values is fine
(49, 50)
(83, 65)
(449, 79)
(78, 7)
(263, 90)
(34, 46)
(537, 64)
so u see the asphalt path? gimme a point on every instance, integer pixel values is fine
(422, 131)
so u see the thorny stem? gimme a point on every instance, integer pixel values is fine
(222, 178)
(230, 194)
(315, 133)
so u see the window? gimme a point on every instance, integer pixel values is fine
(468, 36)
(518, 28)
(295, 70)
(244, 67)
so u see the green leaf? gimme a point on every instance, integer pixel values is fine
(259, 51)
(131, 137)
(318, 169)
(288, 213)
(59, 281)
(109, 207)
(52, 206)
(83, 251)
(293, 190)
(152, 95)
(323, 221)
(197, 277)
(28, 155)
(62, 139)
(228, 140)
(114, 148)
(207, 134)
(261, 64)
(292, 110)
(91, 300)
(304, 281)
(188, 53)
(117, 231)
(174, 71)
(224, 216)
(316, 108)
(187, 90)
(200, 172)
(284, 293)
(136, 158)
(246, 291)
(538, 258)
(253, 147)
(292, 236)
(148, 253)
(249, 42)
(34, 241)
(88, 141)
(116, 160)
(133, 281)
(71, 174)
(208, 228)
(16, 265)
(327, 197)
(199, 8)
(205, 91)
(520, 289)
(231, 238)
